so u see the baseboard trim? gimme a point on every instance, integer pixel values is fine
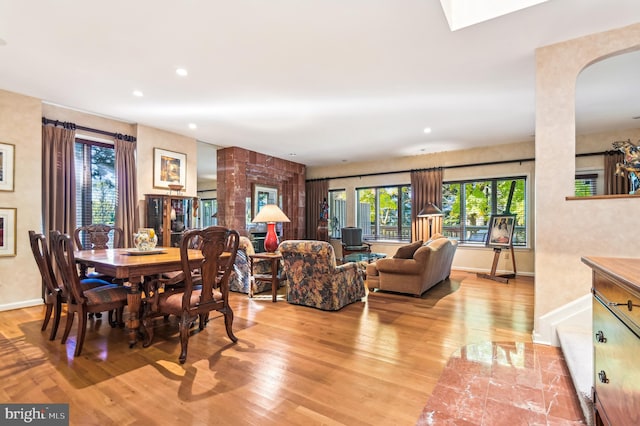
(577, 312)
(21, 304)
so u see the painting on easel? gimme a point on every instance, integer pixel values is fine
(500, 233)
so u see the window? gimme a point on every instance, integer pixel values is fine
(384, 213)
(209, 212)
(586, 184)
(468, 206)
(95, 183)
(337, 212)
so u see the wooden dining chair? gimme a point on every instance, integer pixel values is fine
(54, 293)
(96, 237)
(105, 297)
(202, 292)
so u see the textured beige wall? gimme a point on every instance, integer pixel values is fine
(466, 258)
(20, 125)
(568, 230)
(149, 138)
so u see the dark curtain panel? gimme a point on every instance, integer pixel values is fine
(126, 204)
(316, 192)
(426, 187)
(58, 178)
(614, 184)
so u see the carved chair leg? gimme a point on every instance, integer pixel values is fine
(185, 325)
(57, 313)
(67, 328)
(82, 331)
(228, 323)
(47, 316)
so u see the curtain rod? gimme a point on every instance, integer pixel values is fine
(457, 166)
(127, 138)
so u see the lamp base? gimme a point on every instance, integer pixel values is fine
(271, 240)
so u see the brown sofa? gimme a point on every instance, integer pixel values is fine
(429, 265)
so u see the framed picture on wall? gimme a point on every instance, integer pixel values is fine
(7, 231)
(7, 162)
(500, 231)
(169, 168)
(263, 195)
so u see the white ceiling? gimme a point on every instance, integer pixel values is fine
(328, 80)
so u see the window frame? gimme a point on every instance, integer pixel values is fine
(84, 188)
(400, 214)
(461, 229)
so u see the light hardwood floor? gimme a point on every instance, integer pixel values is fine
(372, 363)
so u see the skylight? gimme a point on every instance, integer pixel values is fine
(464, 13)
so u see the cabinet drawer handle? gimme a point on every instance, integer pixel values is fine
(603, 377)
(629, 303)
(600, 337)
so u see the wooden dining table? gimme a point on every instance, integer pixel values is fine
(133, 266)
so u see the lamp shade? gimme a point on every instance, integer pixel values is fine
(430, 210)
(270, 213)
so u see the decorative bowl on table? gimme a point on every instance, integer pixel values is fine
(145, 239)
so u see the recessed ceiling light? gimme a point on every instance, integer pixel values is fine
(427, 130)
(138, 93)
(182, 72)
(292, 154)
(193, 126)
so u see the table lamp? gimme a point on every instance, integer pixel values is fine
(430, 211)
(270, 214)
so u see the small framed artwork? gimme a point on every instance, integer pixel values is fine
(7, 161)
(169, 168)
(500, 231)
(263, 195)
(7, 231)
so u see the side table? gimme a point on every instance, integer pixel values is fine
(273, 276)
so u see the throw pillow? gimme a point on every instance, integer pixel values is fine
(406, 252)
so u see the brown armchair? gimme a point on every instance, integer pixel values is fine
(203, 292)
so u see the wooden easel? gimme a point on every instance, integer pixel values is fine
(503, 278)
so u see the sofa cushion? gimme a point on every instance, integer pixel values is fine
(406, 252)
(434, 237)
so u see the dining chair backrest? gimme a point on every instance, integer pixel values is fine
(219, 246)
(62, 248)
(96, 237)
(43, 259)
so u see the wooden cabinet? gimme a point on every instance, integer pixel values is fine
(170, 216)
(616, 340)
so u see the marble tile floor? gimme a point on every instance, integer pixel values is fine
(504, 383)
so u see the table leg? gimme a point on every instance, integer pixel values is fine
(134, 301)
(275, 264)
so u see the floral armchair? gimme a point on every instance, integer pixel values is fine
(240, 278)
(315, 280)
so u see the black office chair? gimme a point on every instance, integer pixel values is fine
(352, 241)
